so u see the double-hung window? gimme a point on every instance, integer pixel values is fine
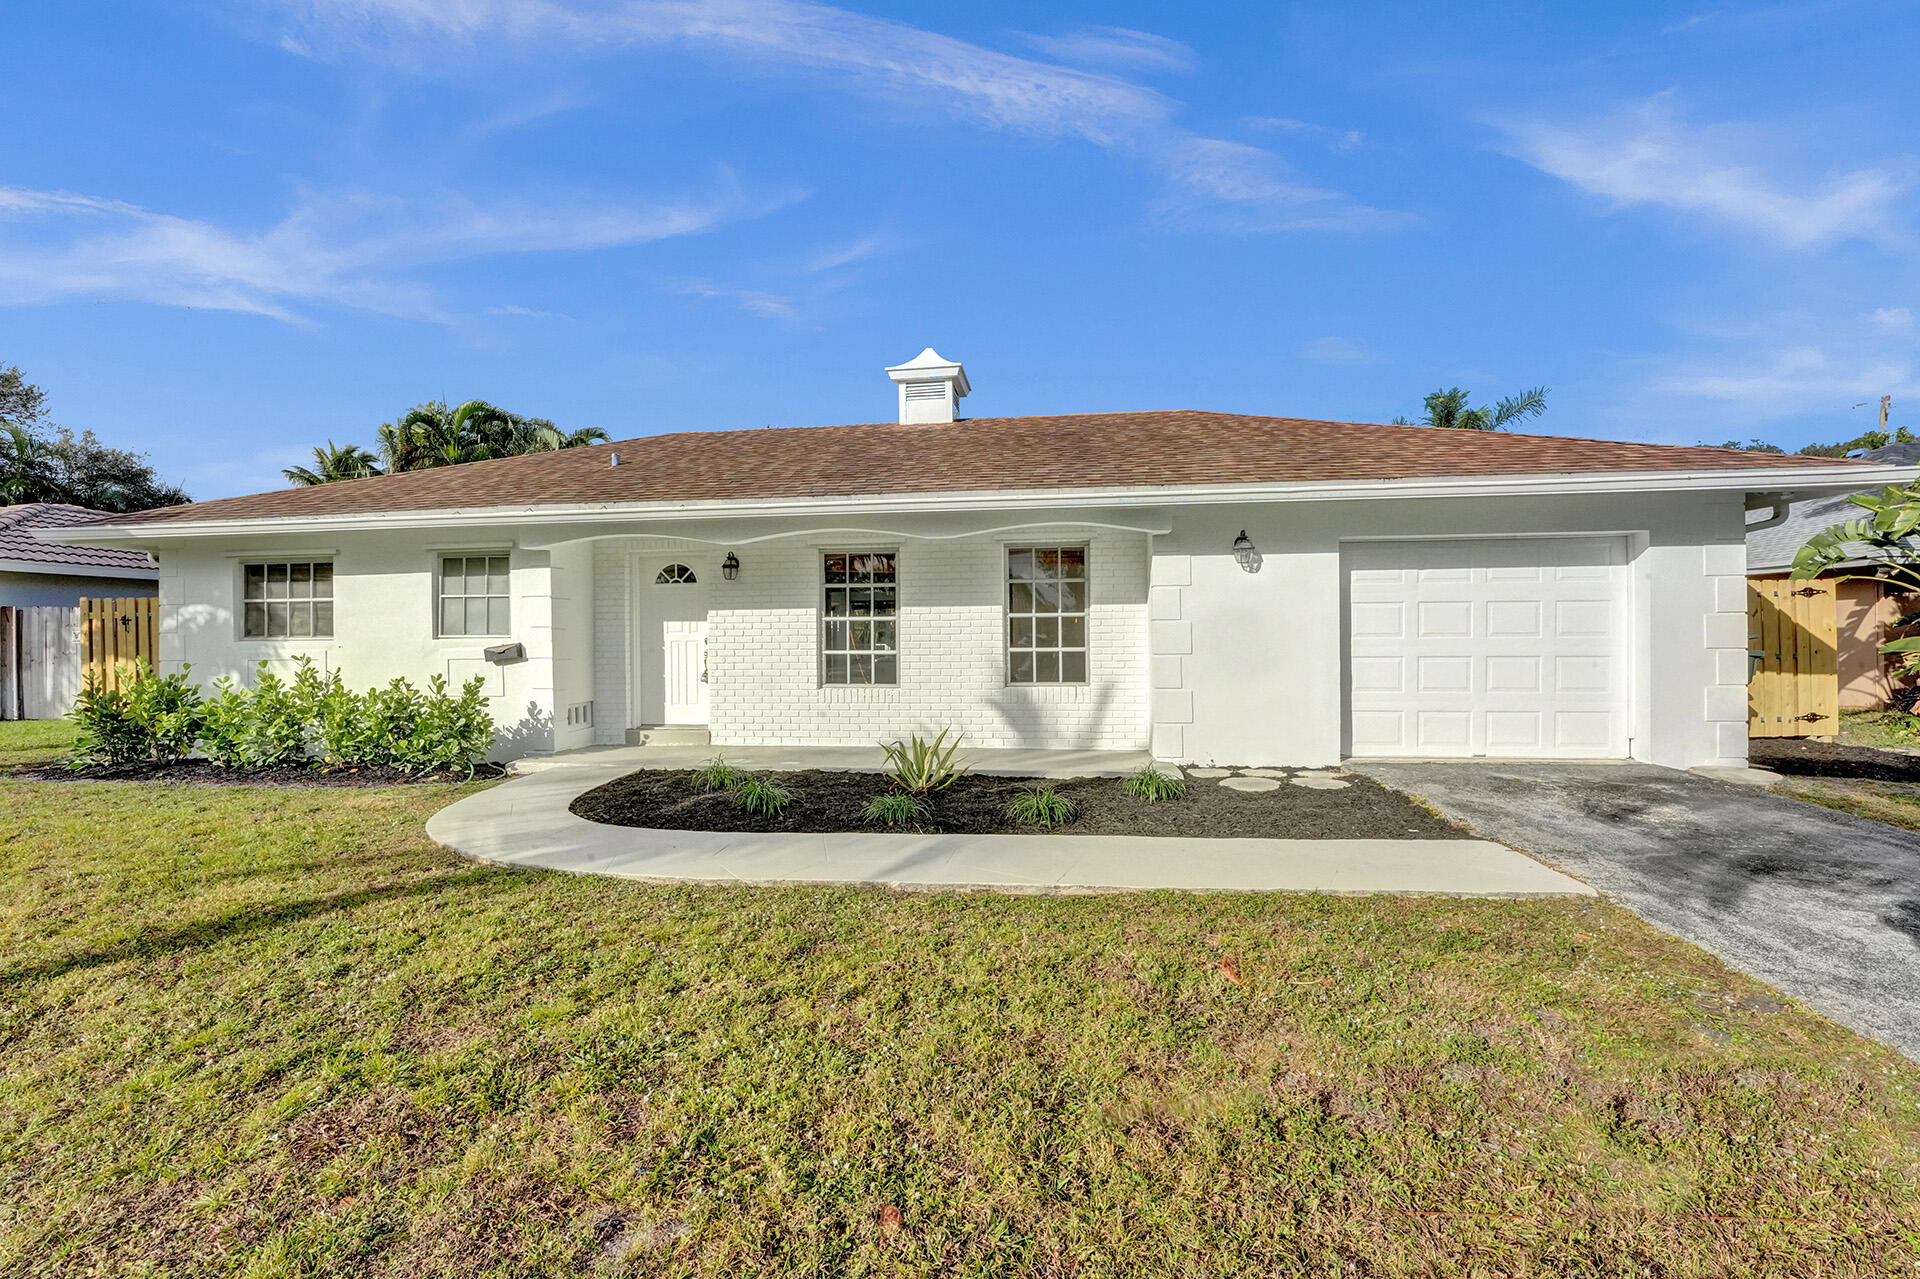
(1046, 615)
(473, 595)
(860, 612)
(286, 600)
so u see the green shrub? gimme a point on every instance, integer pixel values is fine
(1152, 785)
(895, 808)
(280, 721)
(762, 797)
(919, 766)
(108, 732)
(226, 724)
(277, 721)
(1041, 806)
(155, 717)
(717, 774)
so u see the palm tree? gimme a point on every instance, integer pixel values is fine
(29, 468)
(542, 436)
(1448, 409)
(335, 462)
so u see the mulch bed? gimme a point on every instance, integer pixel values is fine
(1799, 757)
(200, 772)
(827, 802)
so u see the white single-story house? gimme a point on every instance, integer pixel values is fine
(37, 571)
(1210, 586)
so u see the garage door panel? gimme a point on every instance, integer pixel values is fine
(1492, 646)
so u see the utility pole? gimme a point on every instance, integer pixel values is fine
(1886, 402)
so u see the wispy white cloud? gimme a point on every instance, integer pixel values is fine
(874, 244)
(904, 64)
(1337, 140)
(1339, 350)
(1115, 47)
(1644, 156)
(351, 249)
(771, 306)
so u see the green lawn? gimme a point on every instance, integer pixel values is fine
(1895, 803)
(278, 1033)
(1887, 730)
(34, 741)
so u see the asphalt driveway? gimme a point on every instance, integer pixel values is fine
(1823, 905)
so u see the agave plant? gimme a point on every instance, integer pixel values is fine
(1879, 547)
(919, 766)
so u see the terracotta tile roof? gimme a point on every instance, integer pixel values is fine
(16, 543)
(1085, 450)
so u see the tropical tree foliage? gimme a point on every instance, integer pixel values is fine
(335, 462)
(1449, 410)
(1879, 546)
(436, 434)
(41, 462)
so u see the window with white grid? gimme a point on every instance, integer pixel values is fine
(1046, 614)
(473, 595)
(286, 600)
(860, 613)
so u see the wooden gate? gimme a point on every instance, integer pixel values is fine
(114, 634)
(1793, 689)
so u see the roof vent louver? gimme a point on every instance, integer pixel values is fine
(931, 388)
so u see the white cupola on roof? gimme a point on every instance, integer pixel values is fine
(930, 387)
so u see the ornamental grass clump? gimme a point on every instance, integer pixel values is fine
(1152, 785)
(920, 767)
(761, 797)
(717, 775)
(895, 808)
(1041, 806)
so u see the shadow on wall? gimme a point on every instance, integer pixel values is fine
(1019, 717)
(531, 734)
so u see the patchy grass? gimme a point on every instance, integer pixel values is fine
(1895, 803)
(278, 1033)
(1883, 730)
(28, 742)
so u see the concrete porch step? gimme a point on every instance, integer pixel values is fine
(669, 735)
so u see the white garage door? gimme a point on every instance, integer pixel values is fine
(1510, 647)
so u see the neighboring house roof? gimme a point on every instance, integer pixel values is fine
(1077, 451)
(1771, 550)
(21, 550)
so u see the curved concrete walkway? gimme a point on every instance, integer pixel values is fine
(525, 822)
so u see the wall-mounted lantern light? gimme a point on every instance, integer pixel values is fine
(1245, 553)
(730, 567)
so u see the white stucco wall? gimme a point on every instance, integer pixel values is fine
(764, 643)
(64, 590)
(1249, 668)
(384, 590)
(1189, 655)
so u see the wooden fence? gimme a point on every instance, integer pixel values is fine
(1794, 687)
(114, 635)
(39, 662)
(46, 653)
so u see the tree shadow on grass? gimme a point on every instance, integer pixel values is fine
(155, 943)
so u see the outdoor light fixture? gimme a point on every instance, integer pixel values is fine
(730, 566)
(1245, 553)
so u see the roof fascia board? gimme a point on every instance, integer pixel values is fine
(1797, 482)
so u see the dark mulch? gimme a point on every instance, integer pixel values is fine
(200, 772)
(1798, 757)
(830, 802)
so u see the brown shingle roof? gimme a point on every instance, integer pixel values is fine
(1085, 450)
(16, 543)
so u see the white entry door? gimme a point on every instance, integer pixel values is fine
(1514, 647)
(672, 652)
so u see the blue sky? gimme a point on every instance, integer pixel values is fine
(231, 230)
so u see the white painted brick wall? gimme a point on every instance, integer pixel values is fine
(764, 644)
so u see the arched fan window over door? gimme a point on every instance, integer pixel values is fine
(674, 575)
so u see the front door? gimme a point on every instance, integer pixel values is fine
(672, 654)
